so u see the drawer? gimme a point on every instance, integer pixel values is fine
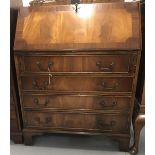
(70, 83)
(90, 63)
(89, 121)
(81, 102)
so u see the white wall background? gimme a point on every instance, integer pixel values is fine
(15, 3)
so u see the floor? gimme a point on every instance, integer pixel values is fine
(73, 145)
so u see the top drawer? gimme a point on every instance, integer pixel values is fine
(80, 63)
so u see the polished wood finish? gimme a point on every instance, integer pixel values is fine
(123, 63)
(78, 75)
(84, 121)
(77, 102)
(78, 83)
(96, 30)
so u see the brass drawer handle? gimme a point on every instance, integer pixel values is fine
(50, 63)
(35, 85)
(36, 101)
(102, 124)
(45, 122)
(109, 88)
(103, 103)
(102, 67)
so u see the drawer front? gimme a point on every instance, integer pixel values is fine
(104, 84)
(83, 102)
(103, 122)
(102, 63)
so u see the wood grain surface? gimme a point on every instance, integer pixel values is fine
(95, 26)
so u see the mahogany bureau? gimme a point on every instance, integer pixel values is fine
(77, 69)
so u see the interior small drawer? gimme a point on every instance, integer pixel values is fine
(118, 63)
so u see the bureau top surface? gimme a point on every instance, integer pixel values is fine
(105, 26)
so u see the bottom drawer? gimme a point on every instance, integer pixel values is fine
(69, 120)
